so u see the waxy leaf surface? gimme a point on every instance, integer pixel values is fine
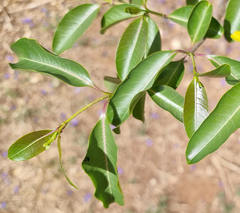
(131, 47)
(116, 14)
(195, 106)
(140, 79)
(31, 145)
(100, 163)
(168, 99)
(34, 57)
(216, 129)
(73, 25)
(199, 21)
(221, 71)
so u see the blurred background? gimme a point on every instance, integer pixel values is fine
(154, 175)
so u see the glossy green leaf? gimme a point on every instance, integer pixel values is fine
(234, 77)
(137, 2)
(171, 75)
(61, 163)
(100, 164)
(138, 110)
(199, 21)
(232, 18)
(153, 37)
(130, 49)
(116, 14)
(73, 25)
(215, 130)
(192, 2)
(111, 83)
(34, 57)
(168, 99)
(221, 71)
(182, 15)
(137, 82)
(195, 106)
(31, 145)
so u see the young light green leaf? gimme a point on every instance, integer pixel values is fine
(116, 14)
(199, 21)
(130, 49)
(221, 71)
(137, 81)
(153, 37)
(232, 19)
(61, 162)
(33, 56)
(139, 107)
(73, 25)
(171, 75)
(234, 77)
(168, 99)
(111, 83)
(192, 2)
(31, 145)
(195, 106)
(137, 2)
(100, 164)
(218, 126)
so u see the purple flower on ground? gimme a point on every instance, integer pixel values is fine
(112, 127)
(4, 154)
(13, 107)
(87, 197)
(16, 189)
(220, 184)
(3, 205)
(223, 82)
(63, 116)
(154, 115)
(69, 192)
(74, 122)
(120, 170)
(149, 142)
(28, 21)
(10, 58)
(7, 75)
(43, 92)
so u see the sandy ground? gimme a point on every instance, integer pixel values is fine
(152, 169)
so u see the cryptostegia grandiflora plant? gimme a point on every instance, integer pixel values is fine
(142, 69)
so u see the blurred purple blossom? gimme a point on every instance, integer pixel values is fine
(112, 127)
(16, 190)
(10, 58)
(4, 154)
(87, 197)
(69, 192)
(149, 142)
(44, 10)
(28, 21)
(16, 73)
(220, 184)
(120, 170)
(223, 82)
(154, 115)
(7, 75)
(3, 205)
(43, 92)
(74, 122)
(63, 116)
(13, 107)
(193, 167)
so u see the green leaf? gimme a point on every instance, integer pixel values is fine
(34, 57)
(234, 77)
(215, 130)
(138, 110)
(137, 82)
(153, 37)
(192, 2)
(195, 106)
(100, 164)
(73, 25)
(111, 83)
(168, 99)
(116, 14)
(171, 75)
(182, 15)
(61, 163)
(221, 71)
(199, 21)
(232, 18)
(130, 49)
(31, 145)
(137, 2)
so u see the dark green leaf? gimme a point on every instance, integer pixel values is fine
(137, 82)
(199, 21)
(192, 2)
(171, 75)
(153, 37)
(33, 56)
(116, 14)
(100, 164)
(232, 18)
(130, 50)
(218, 126)
(215, 29)
(168, 99)
(221, 71)
(111, 83)
(31, 145)
(195, 106)
(73, 25)
(138, 110)
(234, 65)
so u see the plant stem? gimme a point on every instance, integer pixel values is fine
(157, 13)
(194, 65)
(63, 125)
